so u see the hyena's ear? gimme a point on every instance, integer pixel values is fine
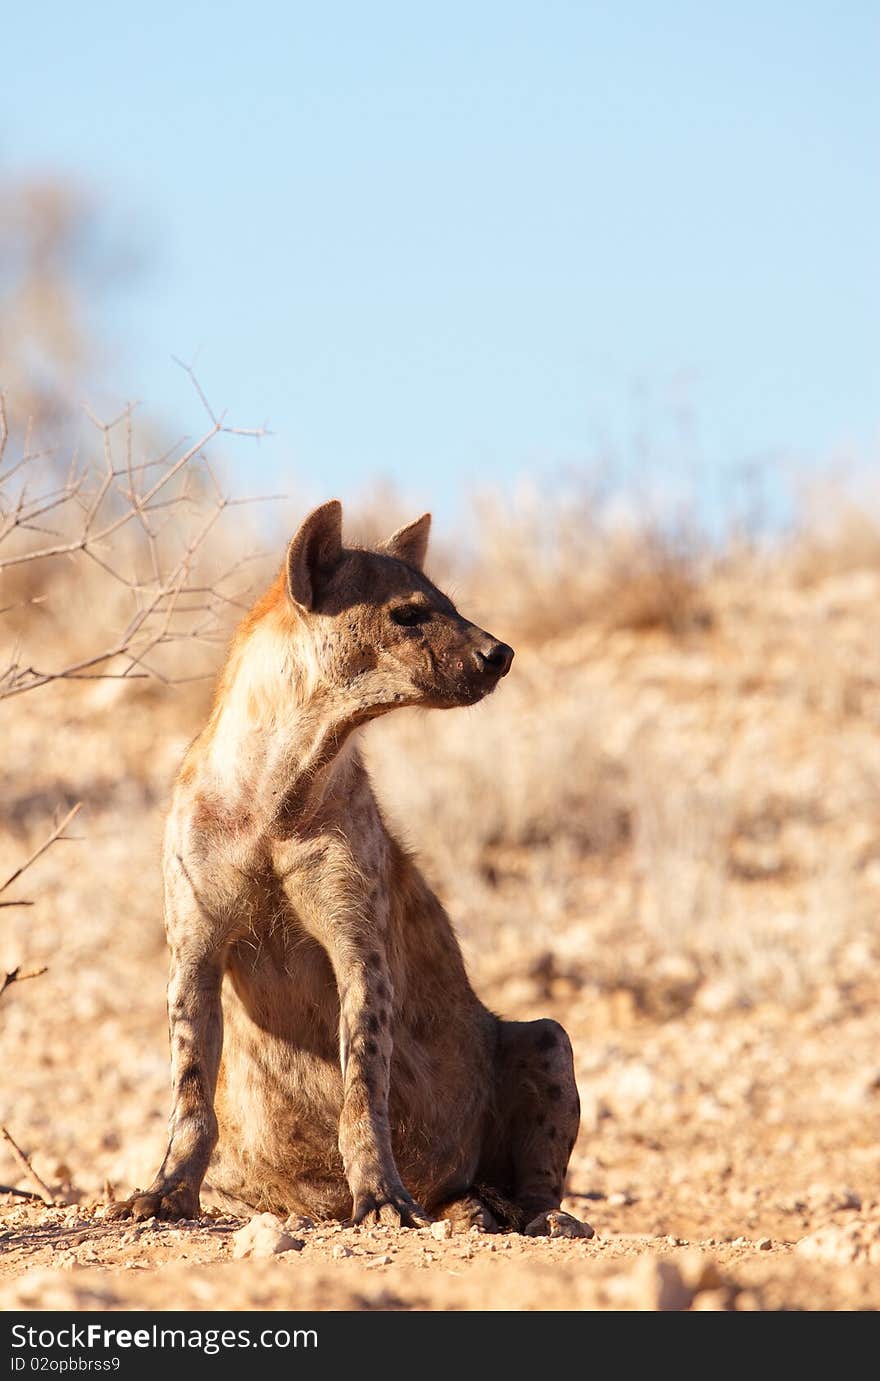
(410, 543)
(314, 553)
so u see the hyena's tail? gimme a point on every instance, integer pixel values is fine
(507, 1214)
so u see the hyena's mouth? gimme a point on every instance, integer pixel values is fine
(460, 694)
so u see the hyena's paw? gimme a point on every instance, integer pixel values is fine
(555, 1223)
(392, 1207)
(469, 1212)
(171, 1202)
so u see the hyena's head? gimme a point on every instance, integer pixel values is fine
(380, 634)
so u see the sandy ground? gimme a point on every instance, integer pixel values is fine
(729, 1156)
(723, 1164)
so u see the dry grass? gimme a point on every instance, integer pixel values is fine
(546, 565)
(686, 787)
(838, 528)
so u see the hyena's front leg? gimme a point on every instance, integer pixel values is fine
(196, 1028)
(365, 1046)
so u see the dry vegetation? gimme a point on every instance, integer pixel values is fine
(663, 829)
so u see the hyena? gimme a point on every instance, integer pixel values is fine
(329, 1056)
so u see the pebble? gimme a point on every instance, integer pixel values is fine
(264, 1236)
(298, 1223)
(856, 1241)
(441, 1230)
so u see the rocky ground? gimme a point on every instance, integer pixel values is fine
(723, 1165)
(670, 842)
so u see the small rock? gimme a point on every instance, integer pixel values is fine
(764, 1244)
(858, 1241)
(619, 1199)
(441, 1230)
(378, 1261)
(848, 1199)
(339, 1250)
(298, 1223)
(833, 1200)
(264, 1236)
(791, 1205)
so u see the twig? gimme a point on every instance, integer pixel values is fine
(46, 844)
(123, 514)
(16, 976)
(42, 1188)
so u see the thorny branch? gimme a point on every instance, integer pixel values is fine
(39, 1184)
(142, 524)
(56, 834)
(123, 514)
(17, 975)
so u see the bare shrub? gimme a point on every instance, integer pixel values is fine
(845, 539)
(117, 543)
(547, 566)
(836, 525)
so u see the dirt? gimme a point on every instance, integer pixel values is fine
(742, 1151)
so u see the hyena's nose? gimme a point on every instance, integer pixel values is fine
(495, 658)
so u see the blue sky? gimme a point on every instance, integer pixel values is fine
(451, 243)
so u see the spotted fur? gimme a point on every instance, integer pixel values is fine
(329, 1055)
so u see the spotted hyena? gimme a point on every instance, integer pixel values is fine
(329, 1055)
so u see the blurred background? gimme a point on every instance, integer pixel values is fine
(598, 285)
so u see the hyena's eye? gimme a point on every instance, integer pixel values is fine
(408, 615)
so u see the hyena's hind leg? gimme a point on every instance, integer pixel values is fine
(536, 1125)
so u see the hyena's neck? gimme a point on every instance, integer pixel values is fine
(277, 742)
